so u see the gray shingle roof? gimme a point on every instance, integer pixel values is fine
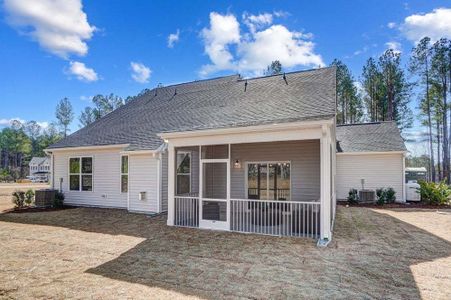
(37, 161)
(369, 137)
(211, 104)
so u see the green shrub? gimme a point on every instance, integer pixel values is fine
(18, 199)
(434, 193)
(59, 200)
(353, 196)
(380, 194)
(390, 195)
(386, 195)
(29, 197)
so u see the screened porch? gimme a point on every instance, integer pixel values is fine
(267, 188)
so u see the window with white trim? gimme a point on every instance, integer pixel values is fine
(124, 173)
(183, 174)
(80, 174)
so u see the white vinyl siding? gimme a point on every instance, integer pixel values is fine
(143, 178)
(106, 180)
(378, 170)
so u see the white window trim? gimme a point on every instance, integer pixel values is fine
(246, 185)
(185, 174)
(128, 174)
(80, 174)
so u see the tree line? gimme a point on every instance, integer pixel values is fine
(19, 142)
(386, 87)
(382, 93)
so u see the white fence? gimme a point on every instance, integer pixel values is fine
(287, 218)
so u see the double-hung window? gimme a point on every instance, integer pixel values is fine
(80, 173)
(183, 183)
(124, 174)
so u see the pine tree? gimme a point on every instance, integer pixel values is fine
(64, 114)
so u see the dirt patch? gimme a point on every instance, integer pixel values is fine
(112, 254)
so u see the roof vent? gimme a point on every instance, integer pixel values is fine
(245, 85)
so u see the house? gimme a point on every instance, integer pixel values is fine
(252, 155)
(371, 154)
(39, 168)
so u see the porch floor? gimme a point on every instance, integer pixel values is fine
(105, 253)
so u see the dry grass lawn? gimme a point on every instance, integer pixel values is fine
(112, 254)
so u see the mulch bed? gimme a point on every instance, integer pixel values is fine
(33, 209)
(398, 205)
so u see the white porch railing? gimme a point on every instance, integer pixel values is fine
(280, 218)
(287, 218)
(186, 211)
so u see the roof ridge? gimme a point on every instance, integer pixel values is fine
(287, 73)
(197, 81)
(365, 123)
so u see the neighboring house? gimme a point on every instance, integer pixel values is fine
(39, 168)
(249, 155)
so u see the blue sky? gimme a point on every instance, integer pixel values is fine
(68, 48)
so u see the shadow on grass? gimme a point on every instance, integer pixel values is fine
(370, 256)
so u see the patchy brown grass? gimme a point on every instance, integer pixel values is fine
(6, 189)
(108, 254)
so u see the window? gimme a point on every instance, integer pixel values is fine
(80, 174)
(269, 181)
(183, 183)
(124, 174)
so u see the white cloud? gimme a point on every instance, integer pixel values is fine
(86, 98)
(395, 46)
(43, 124)
(252, 51)
(224, 30)
(435, 24)
(59, 26)
(281, 14)
(7, 122)
(277, 43)
(391, 25)
(255, 22)
(140, 73)
(173, 38)
(82, 72)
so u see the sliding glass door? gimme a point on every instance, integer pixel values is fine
(269, 180)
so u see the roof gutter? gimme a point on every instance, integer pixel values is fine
(160, 149)
(247, 129)
(371, 152)
(82, 148)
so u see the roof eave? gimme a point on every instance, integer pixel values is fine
(257, 128)
(81, 148)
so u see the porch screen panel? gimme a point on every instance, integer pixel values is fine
(214, 186)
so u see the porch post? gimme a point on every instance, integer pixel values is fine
(325, 233)
(171, 185)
